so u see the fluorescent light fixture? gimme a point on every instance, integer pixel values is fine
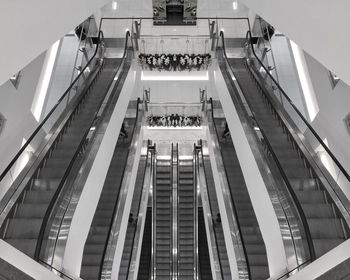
(44, 81)
(114, 5)
(235, 5)
(24, 158)
(92, 128)
(256, 128)
(326, 160)
(175, 76)
(306, 85)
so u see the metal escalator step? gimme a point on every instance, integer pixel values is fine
(45, 184)
(90, 272)
(322, 246)
(38, 197)
(304, 183)
(23, 228)
(91, 260)
(319, 211)
(31, 210)
(326, 228)
(311, 196)
(259, 272)
(257, 259)
(51, 173)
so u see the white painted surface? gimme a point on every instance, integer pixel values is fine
(31, 27)
(15, 106)
(333, 108)
(24, 263)
(86, 208)
(287, 72)
(319, 27)
(259, 196)
(324, 263)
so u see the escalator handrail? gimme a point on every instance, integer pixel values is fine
(121, 182)
(233, 203)
(58, 191)
(284, 177)
(60, 273)
(178, 200)
(138, 208)
(172, 208)
(297, 268)
(319, 139)
(209, 201)
(294, 196)
(42, 123)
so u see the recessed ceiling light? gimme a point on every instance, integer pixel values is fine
(174, 29)
(235, 5)
(114, 5)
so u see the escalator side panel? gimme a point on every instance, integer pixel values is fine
(99, 230)
(326, 226)
(251, 234)
(23, 227)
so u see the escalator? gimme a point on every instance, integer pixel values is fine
(162, 220)
(103, 217)
(186, 220)
(22, 229)
(217, 226)
(252, 238)
(144, 272)
(27, 206)
(326, 224)
(203, 252)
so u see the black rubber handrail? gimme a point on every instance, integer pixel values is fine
(313, 131)
(37, 130)
(149, 154)
(209, 202)
(63, 180)
(65, 175)
(60, 273)
(233, 202)
(294, 269)
(284, 176)
(294, 196)
(117, 199)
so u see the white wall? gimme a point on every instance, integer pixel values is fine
(286, 70)
(333, 108)
(30, 27)
(62, 72)
(15, 105)
(320, 27)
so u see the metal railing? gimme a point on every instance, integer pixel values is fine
(61, 100)
(199, 161)
(62, 183)
(286, 101)
(149, 164)
(300, 211)
(334, 179)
